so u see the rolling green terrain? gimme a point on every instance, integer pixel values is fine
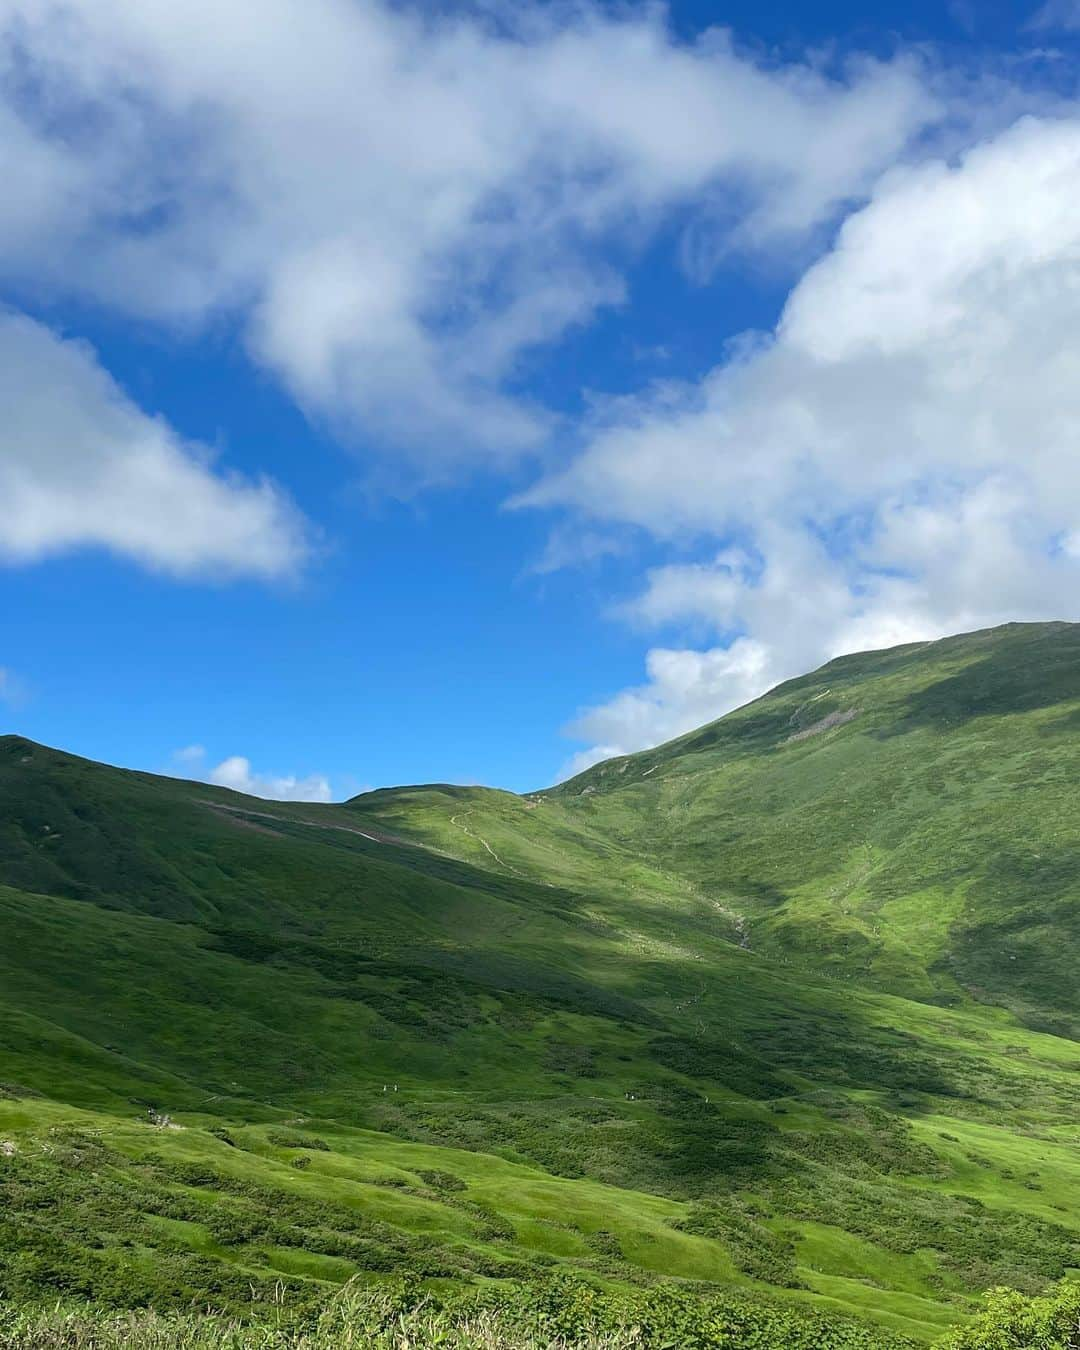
(778, 1021)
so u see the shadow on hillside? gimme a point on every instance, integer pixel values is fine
(1066, 725)
(1029, 678)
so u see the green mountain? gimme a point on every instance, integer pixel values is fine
(903, 819)
(782, 1010)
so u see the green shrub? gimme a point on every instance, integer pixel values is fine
(1011, 1321)
(557, 1314)
(755, 1249)
(442, 1181)
(290, 1139)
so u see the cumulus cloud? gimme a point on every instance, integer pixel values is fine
(394, 207)
(235, 772)
(82, 466)
(897, 460)
(683, 690)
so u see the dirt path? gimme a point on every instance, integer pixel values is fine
(456, 820)
(239, 816)
(737, 921)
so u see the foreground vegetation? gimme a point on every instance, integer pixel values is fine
(558, 1315)
(1013, 1322)
(540, 1317)
(778, 1018)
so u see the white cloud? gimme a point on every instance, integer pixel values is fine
(585, 759)
(574, 547)
(235, 772)
(684, 690)
(82, 466)
(11, 689)
(1059, 14)
(396, 208)
(898, 460)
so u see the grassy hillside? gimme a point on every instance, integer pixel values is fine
(904, 819)
(780, 1011)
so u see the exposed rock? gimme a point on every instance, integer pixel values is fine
(833, 719)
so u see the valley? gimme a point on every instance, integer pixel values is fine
(782, 1015)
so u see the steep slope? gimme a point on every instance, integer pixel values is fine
(905, 819)
(908, 819)
(631, 1027)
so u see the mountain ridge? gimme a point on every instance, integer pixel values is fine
(747, 1022)
(810, 735)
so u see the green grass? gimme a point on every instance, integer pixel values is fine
(558, 1314)
(784, 1010)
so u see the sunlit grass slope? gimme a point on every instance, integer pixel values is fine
(906, 819)
(768, 1011)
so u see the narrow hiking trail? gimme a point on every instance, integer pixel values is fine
(737, 921)
(456, 820)
(240, 814)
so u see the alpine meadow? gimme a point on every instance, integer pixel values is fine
(769, 1036)
(539, 675)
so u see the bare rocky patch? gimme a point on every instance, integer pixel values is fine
(827, 723)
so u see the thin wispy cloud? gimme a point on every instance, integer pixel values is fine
(1063, 15)
(12, 689)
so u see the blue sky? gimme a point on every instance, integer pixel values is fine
(404, 394)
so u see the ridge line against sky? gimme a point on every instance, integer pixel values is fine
(382, 383)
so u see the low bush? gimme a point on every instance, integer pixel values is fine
(561, 1314)
(1010, 1321)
